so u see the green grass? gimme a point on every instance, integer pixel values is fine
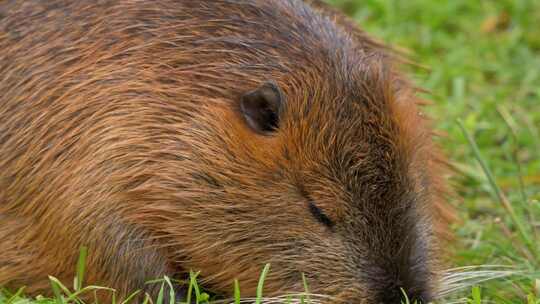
(483, 69)
(64, 295)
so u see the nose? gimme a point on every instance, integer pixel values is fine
(411, 287)
(398, 295)
(402, 283)
(402, 275)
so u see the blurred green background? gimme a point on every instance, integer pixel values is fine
(481, 63)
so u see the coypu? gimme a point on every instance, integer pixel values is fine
(216, 136)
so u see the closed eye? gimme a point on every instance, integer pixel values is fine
(320, 216)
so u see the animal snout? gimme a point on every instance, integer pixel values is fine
(397, 294)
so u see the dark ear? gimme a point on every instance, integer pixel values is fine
(262, 107)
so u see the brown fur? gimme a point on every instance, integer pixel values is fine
(120, 131)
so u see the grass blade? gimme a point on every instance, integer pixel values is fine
(56, 290)
(73, 296)
(81, 264)
(193, 283)
(236, 292)
(260, 285)
(171, 290)
(476, 296)
(160, 295)
(306, 290)
(131, 296)
(15, 296)
(498, 193)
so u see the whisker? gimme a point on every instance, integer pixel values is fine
(458, 279)
(289, 298)
(493, 266)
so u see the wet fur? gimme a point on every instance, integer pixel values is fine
(120, 131)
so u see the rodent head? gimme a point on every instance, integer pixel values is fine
(309, 157)
(334, 182)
